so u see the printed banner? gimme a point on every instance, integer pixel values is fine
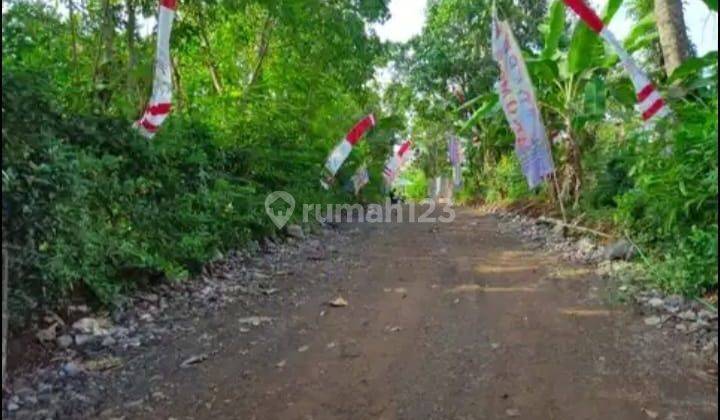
(650, 104)
(517, 96)
(396, 161)
(457, 157)
(360, 179)
(161, 100)
(341, 152)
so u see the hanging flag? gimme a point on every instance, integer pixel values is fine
(650, 103)
(342, 150)
(360, 179)
(517, 96)
(396, 161)
(456, 157)
(161, 100)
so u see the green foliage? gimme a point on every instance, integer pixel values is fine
(505, 181)
(416, 189)
(657, 184)
(263, 91)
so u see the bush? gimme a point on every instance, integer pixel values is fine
(673, 206)
(505, 181)
(89, 206)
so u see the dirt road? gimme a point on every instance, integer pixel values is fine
(444, 321)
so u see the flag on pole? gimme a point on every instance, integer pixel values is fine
(396, 161)
(341, 152)
(161, 100)
(456, 157)
(517, 96)
(650, 103)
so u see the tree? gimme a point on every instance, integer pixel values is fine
(673, 34)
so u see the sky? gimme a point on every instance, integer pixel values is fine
(408, 17)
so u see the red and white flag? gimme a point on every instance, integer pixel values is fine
(396, 161)
(650, 103)
(341, 152)
(161, 100)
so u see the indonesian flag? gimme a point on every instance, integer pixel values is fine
(342, 150)
(161, 100)
(650, 103)
(395, 163)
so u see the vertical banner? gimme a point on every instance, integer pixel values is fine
(517, 96)
(395, 162)
(161, 100)
(456, 158)
(650, 104)
(341, 152)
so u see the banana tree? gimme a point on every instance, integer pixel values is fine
(571, 87)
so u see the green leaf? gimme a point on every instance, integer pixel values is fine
(556, 27)
(543, 70)
(586, 47)
(594, 100)
(642, 33)
(487, 109)
(694, 65)
(712, 4)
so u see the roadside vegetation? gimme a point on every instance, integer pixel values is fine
(656, 185)
(264, 89)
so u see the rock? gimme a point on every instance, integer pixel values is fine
(82, 339)
(103, 364)
(295, 231)
(119, 332)
(688, 315)
(72, 369)
(653, 321)
(303, 349)
(108, 341)
(651, 414)
(338, 302)
(674, 301)
(656, 302)
(12, 406)
(619, 250)
(706, 315)
(64, 341)
(193, 360)
(150, 297)
(681, 327)
(92, 326)
(585, 245)
(512, 412)
(83, 309)
(711, 346)
(254, 320)
(48, 334)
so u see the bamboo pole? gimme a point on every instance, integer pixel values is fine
(574, 227)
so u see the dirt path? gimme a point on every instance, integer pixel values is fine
(445, 321)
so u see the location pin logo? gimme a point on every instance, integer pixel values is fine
(279, 214)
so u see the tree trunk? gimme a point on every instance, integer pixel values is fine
(673, 34)
(262, 51)
(209, 58)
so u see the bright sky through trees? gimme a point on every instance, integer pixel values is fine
(408, 17)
